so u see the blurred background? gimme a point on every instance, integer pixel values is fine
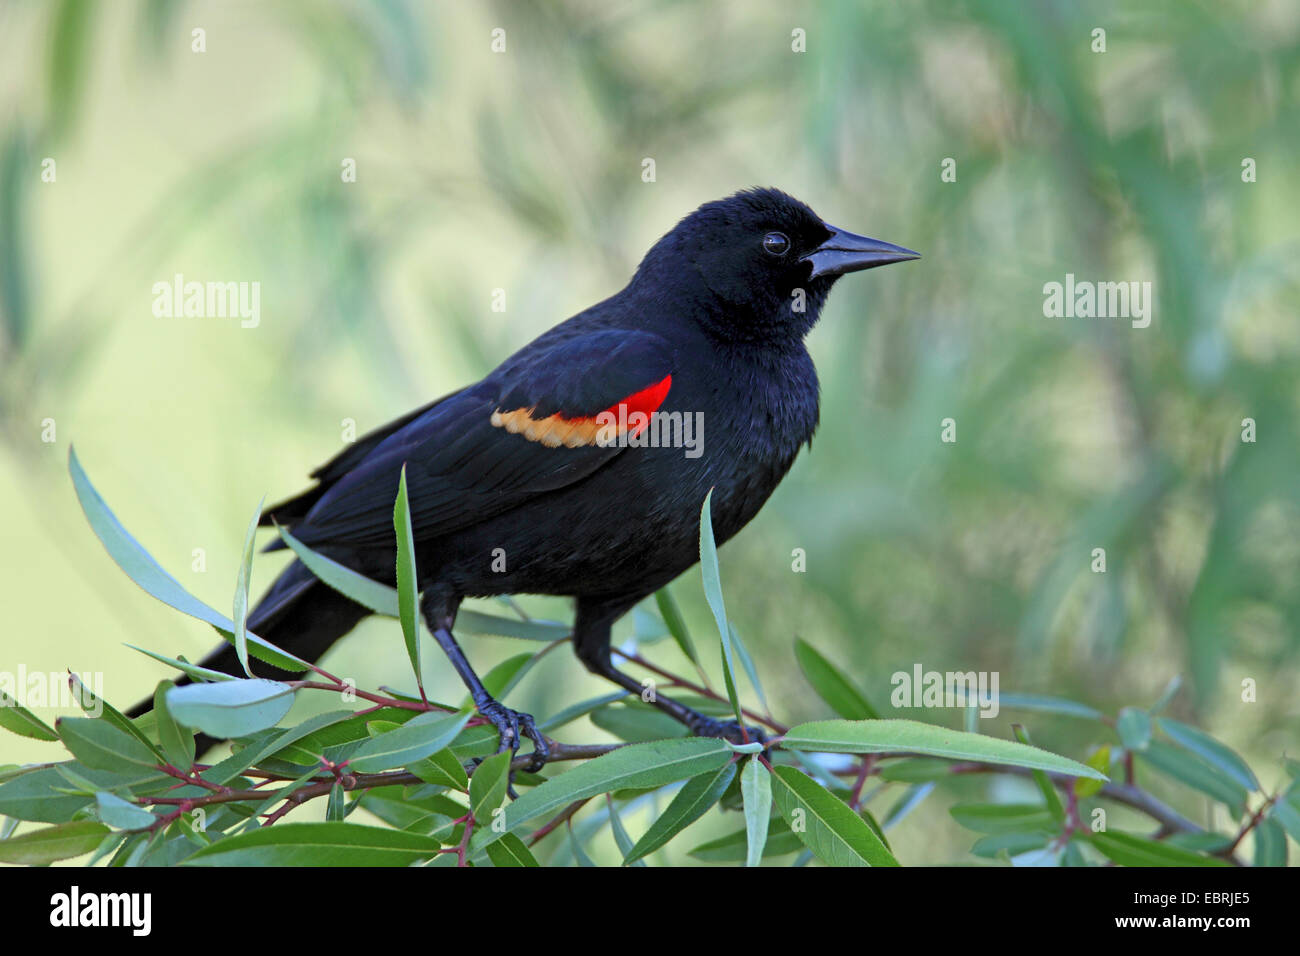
(522, 170)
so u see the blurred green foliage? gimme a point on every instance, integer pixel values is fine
(522, 171)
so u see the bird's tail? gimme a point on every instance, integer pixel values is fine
(298, 614)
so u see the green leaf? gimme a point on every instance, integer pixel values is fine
(203, 675)
(912, 798)
(747, 662)
(231, 708)
(335, 808)
(636, 723)
(1014, 842)
(694, 800)
(240, 615)
(177, 741)
(418, 738)
(756, 791)
(102, 746)
(122, 814)
(916, 770)
(1172, 688)
(48, 844)
(834, 833)
(441, 769)
(241, 760)
(71, 30)
(367, 592)
(1134, 728)
(1045, 786)
(1099, 760)
(503, 678)
(1270, 844)
(382, 599)
(910, 736)
(734, 847)
(650, 764)
(32, 797)
(487, 786)
(1284, 811)
(1002, 817)
(510, 851)
(141, 568)
(408, 597)
(621, 838)
(1196, 773)
(1210, 750)
(1129, 850)
(713, 594)
(831, 685)
(474, 622)
(580, 709)
(95, 706)
(318, 844)
(676, 624)
(18, 719)
(1049, 705)
(575, 845)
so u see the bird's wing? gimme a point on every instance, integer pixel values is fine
(292, 510)
(530, 428)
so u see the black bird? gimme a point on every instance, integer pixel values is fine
(519, 485)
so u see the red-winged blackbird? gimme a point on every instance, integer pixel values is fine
(518, 484)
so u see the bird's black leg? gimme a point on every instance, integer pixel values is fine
(591, 643)
(511, 725)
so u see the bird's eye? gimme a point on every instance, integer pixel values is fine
(776, 244)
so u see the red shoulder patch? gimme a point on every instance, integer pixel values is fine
(556, 430)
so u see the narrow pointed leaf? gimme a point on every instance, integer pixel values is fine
(122, 814)
(368, 593)
(713, 594)
(831, 685)
(1129, 850)
(834, 833)
(141, 568)
(635, 766)
(18, 719)
(487, 786)
(1048, 705)
(1134, 728)
(1196, 773)
(1210, 750)
(408, 597)
(49, 844)
(318, 844)
(694, 800)
(416, 739)
(96, 706)
(442, 769)
(1045, 787)
(102, 746)
(756, 792)
(177, 741)
(241, 590)
(621, 838)
(676, 624)
(510, 851)
(910, 736)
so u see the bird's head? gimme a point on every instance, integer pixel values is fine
(765, 262)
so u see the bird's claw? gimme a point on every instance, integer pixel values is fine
(703, 726)
(512, 726)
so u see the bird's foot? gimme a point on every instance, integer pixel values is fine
(702, 726)
(512, 726)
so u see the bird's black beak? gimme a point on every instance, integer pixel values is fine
(846, 252)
